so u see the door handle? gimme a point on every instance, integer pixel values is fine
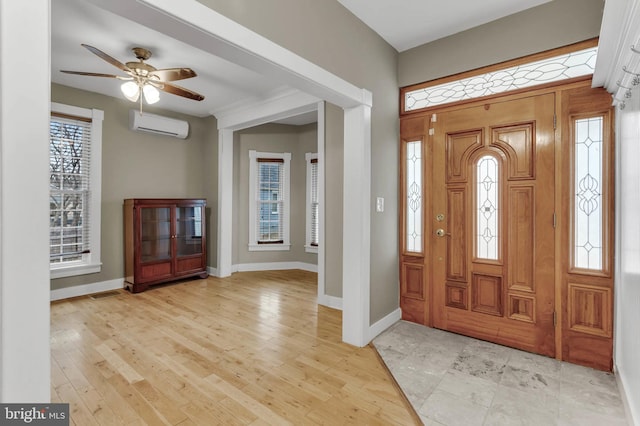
(440, 232)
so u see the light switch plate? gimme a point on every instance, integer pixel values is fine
(379, 204)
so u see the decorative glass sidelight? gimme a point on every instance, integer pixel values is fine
(414, 197)
(587, 211)
(487, 219)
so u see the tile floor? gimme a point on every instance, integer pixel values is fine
(456, 380)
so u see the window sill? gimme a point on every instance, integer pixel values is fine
(269, 247)
(311, 249)
(73, 270)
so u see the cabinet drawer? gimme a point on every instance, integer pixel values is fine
(155, 271)
(189, 264)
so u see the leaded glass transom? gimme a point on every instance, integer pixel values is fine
(487, 214)
(574, 64)
(414, 197)
(587, 212)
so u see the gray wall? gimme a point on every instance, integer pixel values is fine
(143, 165)
(333, 179)
(554, 24)
(296, 140)
(327, 34)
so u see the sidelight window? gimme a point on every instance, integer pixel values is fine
(588, 197)
(414, 202)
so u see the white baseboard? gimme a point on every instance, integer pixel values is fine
(384, 323)
(212, 271)
(633, 416)
(330, 301)
(83, 290)
(273, 266)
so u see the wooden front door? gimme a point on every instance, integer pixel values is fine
(492, 221)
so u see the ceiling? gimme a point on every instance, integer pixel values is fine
(223, 83)
(409, 23)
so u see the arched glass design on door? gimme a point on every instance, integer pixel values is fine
(488, 209)
(413, 197)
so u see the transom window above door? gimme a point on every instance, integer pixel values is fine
(560, 67)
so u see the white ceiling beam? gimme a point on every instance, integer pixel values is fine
(195, 24)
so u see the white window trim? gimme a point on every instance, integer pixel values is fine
(90, 262)
(253, 239)
(307, 245)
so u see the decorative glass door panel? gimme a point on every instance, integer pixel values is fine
(155, 241)
(189, 230)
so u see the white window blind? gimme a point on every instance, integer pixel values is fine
(314, 202)
(270, 201)
(70, 190)
(312, 214)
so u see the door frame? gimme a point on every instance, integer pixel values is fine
(409, 131)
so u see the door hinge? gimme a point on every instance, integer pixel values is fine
(554, 220)
(555, 121)
(555, 318)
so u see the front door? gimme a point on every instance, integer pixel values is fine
(492, 222)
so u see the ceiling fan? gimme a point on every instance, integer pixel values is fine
(142, 79)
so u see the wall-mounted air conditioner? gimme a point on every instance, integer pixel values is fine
(152, 123)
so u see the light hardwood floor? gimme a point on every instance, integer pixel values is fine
(253, 348)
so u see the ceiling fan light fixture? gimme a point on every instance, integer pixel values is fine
(130, 90)
(151, 94)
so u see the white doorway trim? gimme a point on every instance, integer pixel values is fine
(202, 27)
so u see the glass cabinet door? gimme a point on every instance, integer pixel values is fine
(189, 230)
(155, 238)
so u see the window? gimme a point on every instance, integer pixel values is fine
(269, 175)
(588, 184)
(75, 146)
(313, 219)
(413, 193)
(487, 205)
(556, 68)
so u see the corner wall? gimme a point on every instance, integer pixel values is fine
(553, 24)
(143, 165)
(296, 140)
(627, 291)
(327, 34)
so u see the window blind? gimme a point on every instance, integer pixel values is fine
(314, 202)
(69, 190)
(270, 201)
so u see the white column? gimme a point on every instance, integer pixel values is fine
(225, 201)
(356, 225)
(24, 202)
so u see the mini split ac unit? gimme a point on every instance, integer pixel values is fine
(152, 123)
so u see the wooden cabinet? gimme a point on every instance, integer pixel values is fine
(164, 240)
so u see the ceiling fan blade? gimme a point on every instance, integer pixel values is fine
(96, 74)
(180, 91)
(111, 60)
(173, 74)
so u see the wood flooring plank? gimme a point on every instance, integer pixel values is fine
(250, 349)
